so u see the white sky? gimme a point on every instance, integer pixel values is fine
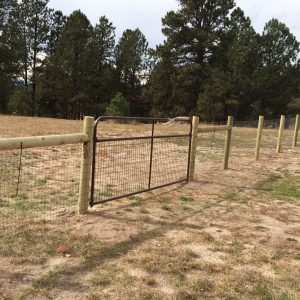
(147, 14)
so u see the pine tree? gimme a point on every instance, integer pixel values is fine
(278, 78)
(9, 54)
(32, 19)
(104, 82)
(71, 67)
(193, 35)
(118, 106)
(132, 63)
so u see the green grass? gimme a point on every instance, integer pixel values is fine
(4, 203)
(163, 199)
(186, 208)
(234, 197)
(43, 181)
(22, 196)
(136, 204)
(186, 199)
(135, 198)
(287, 186)
(265, 293)
(109, 190)
(166, 208)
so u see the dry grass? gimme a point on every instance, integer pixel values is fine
(228, 235)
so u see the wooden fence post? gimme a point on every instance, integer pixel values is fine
(195, 125)
(86, 162)
(228, 142)
(296, 131)
(280, 134)
(259, 135)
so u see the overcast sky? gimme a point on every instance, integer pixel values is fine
(146, 14)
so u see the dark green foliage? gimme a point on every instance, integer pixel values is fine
(104, 81)
(212, 63)
(32, 20)
(20, 101)
(131, 66)
(70, 68)
(279, 74)
(9, 56)
(118, 106)
(217, 65)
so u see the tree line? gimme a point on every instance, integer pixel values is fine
(212, 63)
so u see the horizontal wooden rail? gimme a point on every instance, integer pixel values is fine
(42, 141)
(214, 129)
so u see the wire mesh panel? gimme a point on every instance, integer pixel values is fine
(125, 166)
(122, 167)
(210, 148)
(170, 160)
(37, 184)
(244, 139)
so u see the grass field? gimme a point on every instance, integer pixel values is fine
(228, 235)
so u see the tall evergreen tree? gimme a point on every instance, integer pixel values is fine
(9, 54)
(57, 21)
(278, 78)
(193, 35)
(193, 32)
(211, 63)
(158, 95)
(231, 83)
(243, 63)
(132, 63)
(104, 82)
(104, 42)
(33, 22)
(50, 91)
(73, 65)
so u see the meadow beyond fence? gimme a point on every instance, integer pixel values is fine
(47, 165)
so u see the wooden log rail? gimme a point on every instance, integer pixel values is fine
(42, 141)
(214, 128)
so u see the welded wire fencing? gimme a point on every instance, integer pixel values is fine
(128, 165)
(40, 183)
(244, 137)
(210, 150)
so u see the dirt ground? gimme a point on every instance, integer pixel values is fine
(231, 234)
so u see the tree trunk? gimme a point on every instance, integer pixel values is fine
(33, 95)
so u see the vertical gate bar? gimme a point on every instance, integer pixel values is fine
(190, 151)
(93, 167)
(151, 156)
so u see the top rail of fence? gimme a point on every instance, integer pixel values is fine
(150, 121)
(42, 141)
(142, 119)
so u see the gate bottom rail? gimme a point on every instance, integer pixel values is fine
(136, 193)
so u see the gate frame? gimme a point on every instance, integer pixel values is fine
(152, 121)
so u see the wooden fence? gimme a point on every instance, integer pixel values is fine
(86, 139)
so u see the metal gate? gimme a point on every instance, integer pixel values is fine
(127, 166)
